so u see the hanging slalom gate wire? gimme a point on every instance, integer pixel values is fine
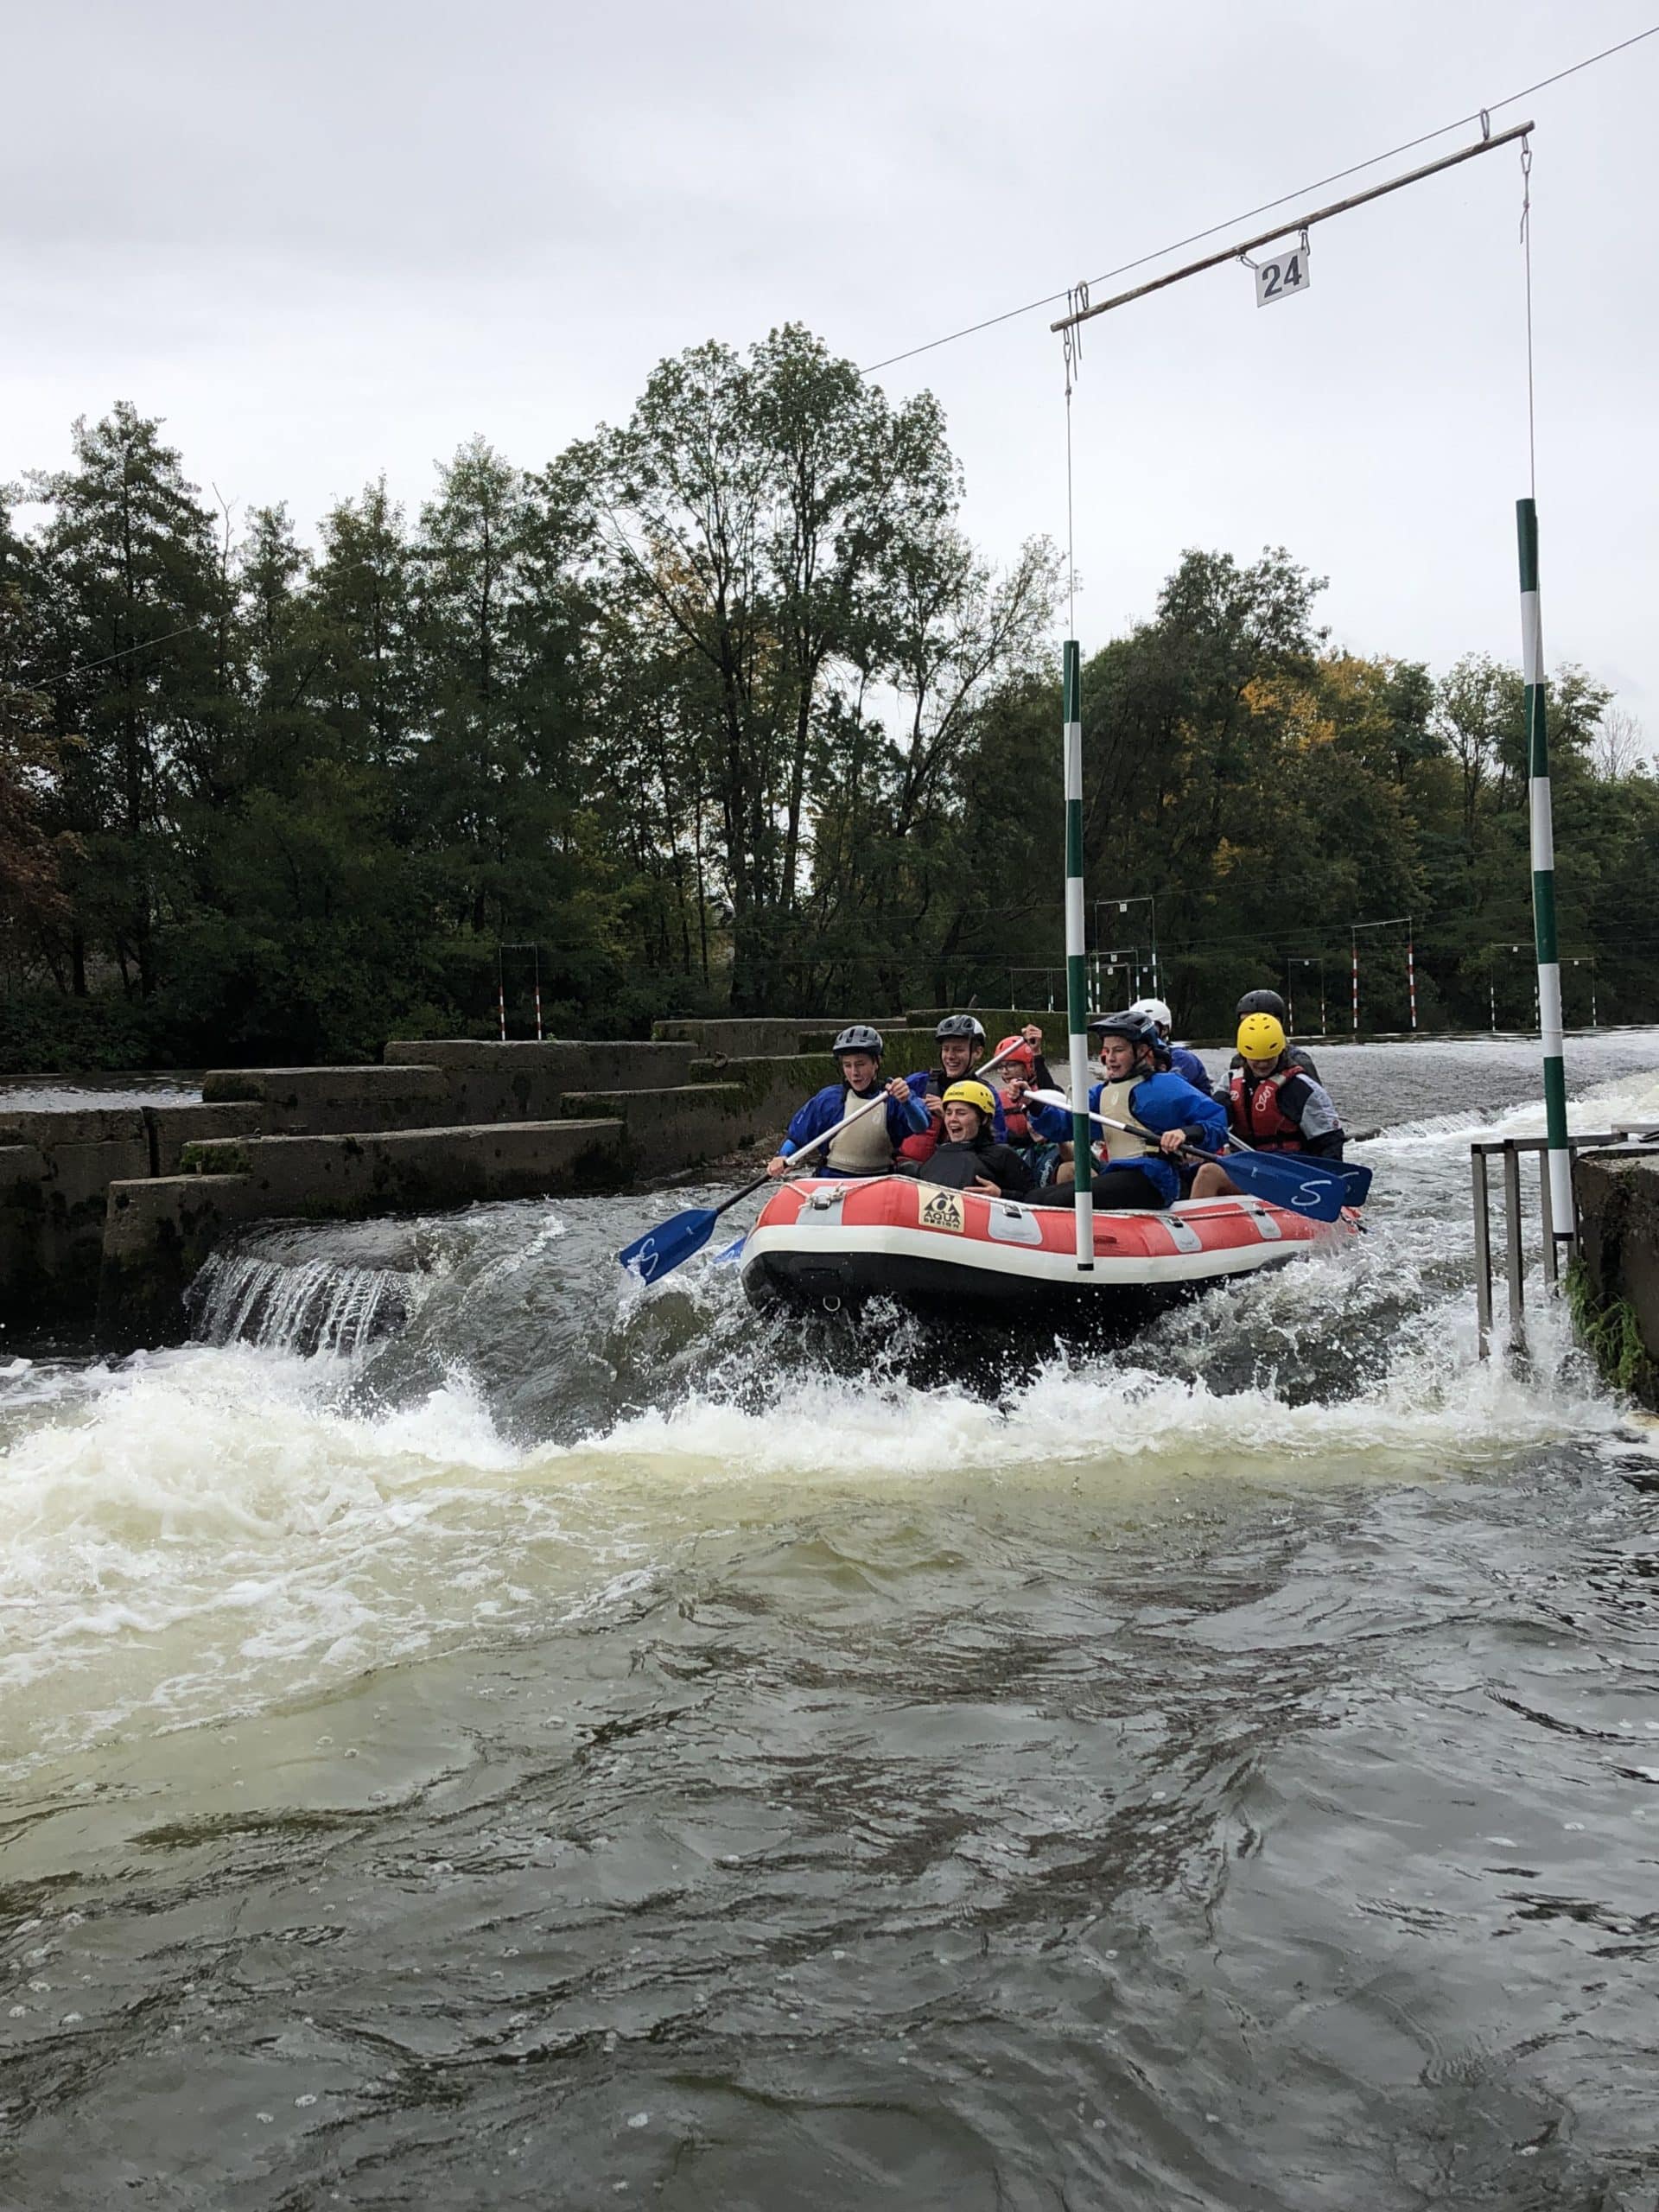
(1526, 255)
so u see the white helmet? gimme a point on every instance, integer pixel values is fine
(1156, 1010)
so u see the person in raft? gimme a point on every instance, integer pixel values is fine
(1020, 1068)
(961, 1040)
(968, 1157)
(1273, 1104)
(1270, 1002)
(1169, 1112)
(1182, 1058)
(868, 1147)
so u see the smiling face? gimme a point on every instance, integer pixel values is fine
(962, 1121)
(858, 1070)
(957, 1055)
(1117, 1057)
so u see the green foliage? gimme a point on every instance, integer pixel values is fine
(1611, 1333)
(720, 710)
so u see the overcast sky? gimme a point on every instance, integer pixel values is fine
(326, 240)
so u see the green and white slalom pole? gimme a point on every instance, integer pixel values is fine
(1559, 1167)
(1076, 988)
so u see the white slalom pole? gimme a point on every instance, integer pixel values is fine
(1551, 1029)
(1077, 1001)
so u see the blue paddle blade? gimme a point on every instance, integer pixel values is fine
(1358, 1180)
(665, 1246)
(732, 1251)
(1305, 1187)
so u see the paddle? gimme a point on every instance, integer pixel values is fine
(665, 1248)
(1319, 1188)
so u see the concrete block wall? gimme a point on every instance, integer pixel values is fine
(80, 1153)
(171, 1128)
(22, 1172)
(519, 1082)
(667, 1131)
(390, 1171)
(328, 1101)
(1617, 1195)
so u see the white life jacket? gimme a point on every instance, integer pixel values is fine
(866, 1149)
(1114, 1099)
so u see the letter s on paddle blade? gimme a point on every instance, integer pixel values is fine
(642, 1259)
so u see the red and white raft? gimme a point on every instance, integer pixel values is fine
(832, 1244)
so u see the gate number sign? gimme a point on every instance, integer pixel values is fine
(1283, 277)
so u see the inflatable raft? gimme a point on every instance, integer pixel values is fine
(833, 1243)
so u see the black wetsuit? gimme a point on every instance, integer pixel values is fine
(959, 1166)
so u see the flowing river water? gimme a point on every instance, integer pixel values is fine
(474, 1733)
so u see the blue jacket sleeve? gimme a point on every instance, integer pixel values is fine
(1187, 1063)
(1170, 1101)
(821, 1112)
(1051, 1124)
(910, 1120)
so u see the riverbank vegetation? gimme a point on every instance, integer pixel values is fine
(721, 708)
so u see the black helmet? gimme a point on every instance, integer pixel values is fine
(861, 1037)
(1139, 1028)
(1260, 1002)
(961, 1024)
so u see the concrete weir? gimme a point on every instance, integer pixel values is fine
(105, 1215)
(1617, 1195)
(160, 1231)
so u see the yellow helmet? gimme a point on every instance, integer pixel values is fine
(969, 1093)
(1260, 1037)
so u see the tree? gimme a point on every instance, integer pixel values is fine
(132, 598)
(1621, 745)
(746, 520)
(34, 908)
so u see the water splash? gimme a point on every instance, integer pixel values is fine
(314, 1306)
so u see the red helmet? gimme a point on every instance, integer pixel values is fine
(1015, 1050)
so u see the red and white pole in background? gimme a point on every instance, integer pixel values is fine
(501, 1003)
(538, 996)
(1356, 945)
(1411, 981)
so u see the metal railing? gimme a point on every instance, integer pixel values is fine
(1642, 1136)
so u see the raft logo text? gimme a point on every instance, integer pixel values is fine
(943, 1210)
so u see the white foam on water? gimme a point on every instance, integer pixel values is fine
(209, 1529)
(184, 1521)
(1428, 1417)
(1632, 1099)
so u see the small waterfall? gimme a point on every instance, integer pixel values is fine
(311, 1305)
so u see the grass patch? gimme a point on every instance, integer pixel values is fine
(1610, 1332)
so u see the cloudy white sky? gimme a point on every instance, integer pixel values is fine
(324, 240)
